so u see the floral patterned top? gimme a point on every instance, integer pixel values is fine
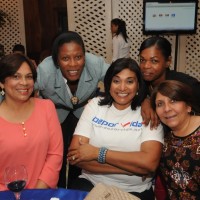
(180, 166)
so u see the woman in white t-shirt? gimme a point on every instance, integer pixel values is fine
(121, 42)
(110, 143)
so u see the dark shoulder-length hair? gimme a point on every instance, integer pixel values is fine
(11, 63)
(115, 68)
(66, 37)
(175, 90)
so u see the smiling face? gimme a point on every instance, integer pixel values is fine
(153, 65)
(19, 87)
(171, 112)
(71, 59)
(123, 88)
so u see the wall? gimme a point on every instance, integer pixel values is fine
(14, 32)
(92, 20)
(40, 27)
(42, 24)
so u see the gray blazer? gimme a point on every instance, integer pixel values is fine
(51, 85)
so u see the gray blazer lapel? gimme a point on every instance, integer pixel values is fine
(60, 89)
(84, 85)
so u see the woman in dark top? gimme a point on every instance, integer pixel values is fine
(155, 60)
(173, 102)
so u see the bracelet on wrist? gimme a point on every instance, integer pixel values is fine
(102, 155)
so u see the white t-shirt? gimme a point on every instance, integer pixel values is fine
(121, 48)
(120, 130)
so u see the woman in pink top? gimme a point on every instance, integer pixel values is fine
(30, 132)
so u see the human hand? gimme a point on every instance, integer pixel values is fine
(149, 115)
(41, 185)
(85, 152)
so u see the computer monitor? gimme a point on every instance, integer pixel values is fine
(174, 17)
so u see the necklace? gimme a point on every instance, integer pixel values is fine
(72, 91)
(74, 100)
(23, 128)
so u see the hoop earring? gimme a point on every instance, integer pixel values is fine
(2, 92)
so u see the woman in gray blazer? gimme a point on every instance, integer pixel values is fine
(69, 78)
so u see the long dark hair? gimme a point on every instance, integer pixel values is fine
(115, 68)
(121, 27)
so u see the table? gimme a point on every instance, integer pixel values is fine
(45, 194)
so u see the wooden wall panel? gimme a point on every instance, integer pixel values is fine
(41, 24)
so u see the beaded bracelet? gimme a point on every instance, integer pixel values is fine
(102, 155)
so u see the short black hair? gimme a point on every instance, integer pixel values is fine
(160, 42)
(18, 48)
(66, 37)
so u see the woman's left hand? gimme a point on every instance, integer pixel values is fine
(149, 115)
(85, 152)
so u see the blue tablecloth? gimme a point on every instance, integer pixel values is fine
(45, 194)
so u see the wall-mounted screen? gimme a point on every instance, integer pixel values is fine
(163, 16)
